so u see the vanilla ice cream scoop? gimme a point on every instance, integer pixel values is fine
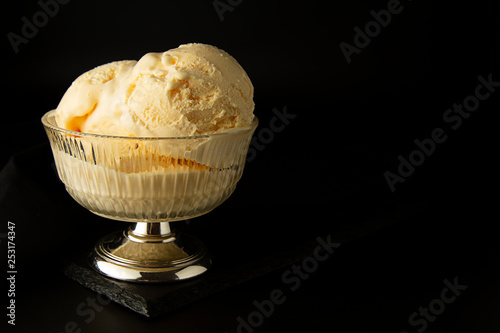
(195, 89)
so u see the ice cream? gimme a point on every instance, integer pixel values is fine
(162, 138)
(195, 89)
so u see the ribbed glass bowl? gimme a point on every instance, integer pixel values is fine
(148, 179)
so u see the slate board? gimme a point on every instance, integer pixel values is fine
(227, 271)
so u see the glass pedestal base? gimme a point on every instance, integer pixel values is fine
(150, 253)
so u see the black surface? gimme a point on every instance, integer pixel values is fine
(323, 174)
(234, 264)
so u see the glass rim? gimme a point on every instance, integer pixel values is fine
(237, 130)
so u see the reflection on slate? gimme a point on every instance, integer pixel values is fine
(248, 236)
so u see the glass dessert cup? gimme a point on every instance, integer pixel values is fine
(149, 182)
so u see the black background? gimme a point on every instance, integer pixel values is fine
(352, 121)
